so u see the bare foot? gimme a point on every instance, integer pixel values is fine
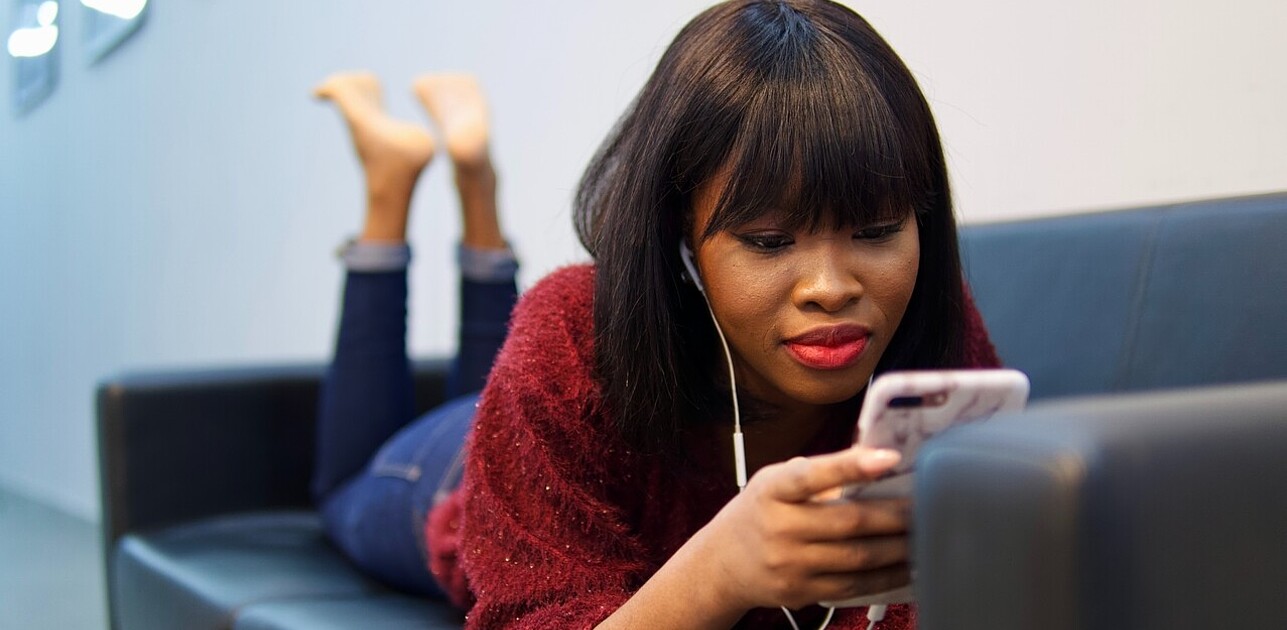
(382, 142)
(456, 104)
(393, 152)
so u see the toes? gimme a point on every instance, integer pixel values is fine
(345, 87)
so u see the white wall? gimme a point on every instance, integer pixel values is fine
(177, 204)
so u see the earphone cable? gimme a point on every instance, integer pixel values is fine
(739, 443)
(826, 621)
(739, 446)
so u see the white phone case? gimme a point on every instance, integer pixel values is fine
(902, 410)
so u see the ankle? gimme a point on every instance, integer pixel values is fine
(391, 185)
(388, 212)
(483, 233)
(383, 231)
(474, 174)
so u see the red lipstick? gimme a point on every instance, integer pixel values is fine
(830, 347)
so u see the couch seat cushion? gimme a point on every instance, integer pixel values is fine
(274, 568)
(370, 612)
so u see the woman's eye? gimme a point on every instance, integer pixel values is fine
(765, 242)
(879, 232)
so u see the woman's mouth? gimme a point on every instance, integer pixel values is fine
(829, 348)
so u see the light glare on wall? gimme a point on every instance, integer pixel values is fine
(123, 9)
(108, 23)
(33, 43)
(36, 41)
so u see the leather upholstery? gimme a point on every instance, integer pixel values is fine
(1058, 295)
(1142, 511)
(1137, 300)
(206, 516)
(208, 570)
(1214, 309)
(254, 570)
(375, 612)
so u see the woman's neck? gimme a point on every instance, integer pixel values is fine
(775, 434)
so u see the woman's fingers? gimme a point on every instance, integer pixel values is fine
(842, 586)
(839, 586)
(854, 556)
(844, 518)
(794, 546)
(802, 478)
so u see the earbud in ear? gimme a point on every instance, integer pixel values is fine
(686, 256)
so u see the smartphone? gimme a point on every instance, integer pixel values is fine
(902, 410)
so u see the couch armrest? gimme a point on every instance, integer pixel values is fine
(1162, 510)
(180, 445)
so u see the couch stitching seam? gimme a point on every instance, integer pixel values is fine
(1148, 256)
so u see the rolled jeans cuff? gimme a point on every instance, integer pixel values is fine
(374, 256)
(486, 265)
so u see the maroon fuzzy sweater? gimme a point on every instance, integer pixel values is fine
(558, 521)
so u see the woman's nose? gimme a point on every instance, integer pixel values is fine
(828, 282)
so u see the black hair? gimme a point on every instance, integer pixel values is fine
(812, 115)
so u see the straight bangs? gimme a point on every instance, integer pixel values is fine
(820, 147)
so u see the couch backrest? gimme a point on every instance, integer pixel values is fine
(1151, 298)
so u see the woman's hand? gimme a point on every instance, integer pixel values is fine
(787, 541)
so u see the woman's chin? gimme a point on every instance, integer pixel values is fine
(830, 388)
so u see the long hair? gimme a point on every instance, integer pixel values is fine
(816, 119)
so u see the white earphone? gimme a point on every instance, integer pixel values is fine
(686, 256)
(739, 443)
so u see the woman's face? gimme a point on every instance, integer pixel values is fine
(807, 314)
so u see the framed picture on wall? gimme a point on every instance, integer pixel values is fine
(108, 23)
(32, 46)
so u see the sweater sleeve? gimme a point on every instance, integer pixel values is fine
(545, 539)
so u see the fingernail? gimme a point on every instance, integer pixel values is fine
(881, 457)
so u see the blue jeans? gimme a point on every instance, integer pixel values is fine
(378, 469)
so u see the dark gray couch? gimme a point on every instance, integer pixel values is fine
(1165, 509)
(1124, 510)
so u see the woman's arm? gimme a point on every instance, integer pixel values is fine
(544, 536)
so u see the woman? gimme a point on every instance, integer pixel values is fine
(789, 148)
